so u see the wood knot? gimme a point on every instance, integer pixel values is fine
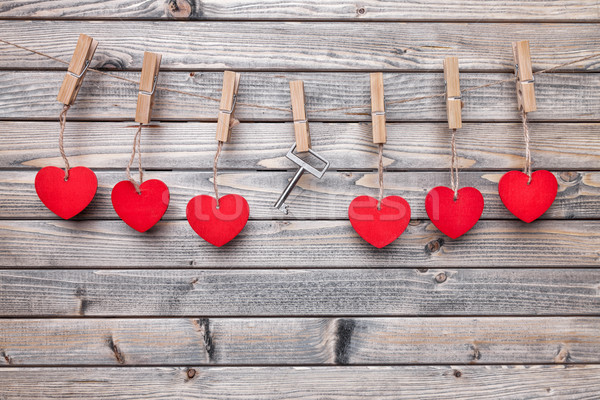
(476, 354)
(180, 9)
(191, 373)
(115, 349)
(570, 176)
(441, 277)
(457, 373)
(361, 11)
(562, 356)
(434, 246)
(422, 270)
(343, 338)
(202, 326)
(6, 357)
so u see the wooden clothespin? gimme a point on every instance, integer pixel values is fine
(453, 98)
(524, 73)
(231, 82)
(149, 78)
(378, 108)
(82, 58)
(299, 114)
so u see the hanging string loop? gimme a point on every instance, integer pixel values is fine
(136, 148)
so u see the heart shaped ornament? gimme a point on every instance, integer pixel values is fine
(379, 227)
(66, 198)
(143, 210)
(452, 217)
(218, 226)
(528, 201)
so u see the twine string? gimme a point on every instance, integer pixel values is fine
(215, 186)
(380, 171)
(454, 166)
(527, 168)
(347, 108)
(136, 149)
(62, 119)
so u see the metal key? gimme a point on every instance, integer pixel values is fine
(304, 166)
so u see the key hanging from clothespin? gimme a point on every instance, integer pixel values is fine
(302, 144)
(524, 73)
(453, 98)
(148, 80)
(231, 83)
(82, 58)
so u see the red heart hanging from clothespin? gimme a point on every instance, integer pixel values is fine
(143, 210)
(528, 201)
(218, 226)
(382, 226)
(454, 217)
(379, 227)
(66, 198)
(142, 206)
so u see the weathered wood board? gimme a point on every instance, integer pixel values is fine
(295, 383)
(262, 146)
(292, 46)
(299, 292)
(560, 97)
(438, 10)
(285, 244)
(299, 341)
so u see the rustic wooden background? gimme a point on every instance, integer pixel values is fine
(298, 306)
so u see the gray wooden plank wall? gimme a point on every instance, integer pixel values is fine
(299, 307)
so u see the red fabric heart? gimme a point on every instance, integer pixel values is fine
(454, 218)
(218, 226)
(528, 201)
(379, 227)
(66, 198)
(141, 211)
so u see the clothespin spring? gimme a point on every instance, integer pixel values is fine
(77, 76)
(153, 87)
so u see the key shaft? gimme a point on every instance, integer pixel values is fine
(280, 204)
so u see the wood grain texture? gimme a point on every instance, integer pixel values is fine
(348, 146)
(273, 383)
(304, 295)
(299, 341)
(480, 11)
(281, 244)
(323, 199)
(299, 292)
(315, 46)
(560, 97)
